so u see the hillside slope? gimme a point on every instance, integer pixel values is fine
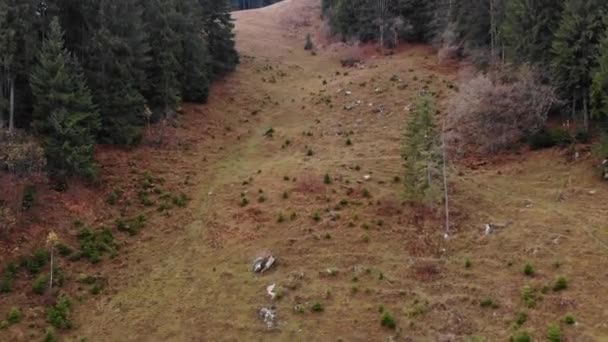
(347, 247)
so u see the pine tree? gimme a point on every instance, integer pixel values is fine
(64, 113)
(115, 68)
(422, 154)
(193, 56)
(575, 48)
(163, 93)
(599, 87)
(218, 27)
(529, 28)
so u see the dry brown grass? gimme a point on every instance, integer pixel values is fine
(187, 277)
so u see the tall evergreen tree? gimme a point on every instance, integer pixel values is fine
(193, 55)
(218, 27)
(575, 48)
(64, 113)
(529, 28)
(423, 156)
(163, 70)
(599, 87)
(117, 55)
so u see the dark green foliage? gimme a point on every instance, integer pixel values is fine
(317, 307)
(599, 87)
(14, 315)
(59, 314)
(422, 155)
(576, 46)
(569, 319)
(388, 321)
(64, 113)
(64, 250)
(93, 244)
(7, 278)
(554, 333)
(132, 225)
(50, 335)
(529, 27)
(522, 317)
(529, 270)
(560, 284)
(521, 336)
(40, 284)
(29, 197)
(547, 138)
(488, 302)
(327, 179)
(36, 261)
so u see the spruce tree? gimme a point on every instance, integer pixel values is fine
(529, 28)
(599, 87)
(64, 114)
(115, 68)
(193, 55)
(218, 27)
(575, 49)
(422, 154)
(163, 91)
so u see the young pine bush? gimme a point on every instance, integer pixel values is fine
(309, 45)
(493, 113)
(59, 314)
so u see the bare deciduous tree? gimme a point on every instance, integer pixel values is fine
(489, 115)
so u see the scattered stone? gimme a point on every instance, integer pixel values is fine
(263, 264)
(367, 177)
(268, 316)
(270, 291)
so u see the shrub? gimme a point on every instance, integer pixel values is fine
(521, 336)
(488, 302)
(560, 284)
(540, 140)
(132, 225)
(468, 263)
(14, 316)
(317, 307)
(8, 277)
(29, 194)
(554, 333)
(244, 202)
(40, 284)
(327, 179)
(366, 193)
(4, 325)
(180, 200)
(561, 137)
(50, 335)
(36, 261)
(569, 319)
(310, 152)
(308, 45)
(488, 114)
(114, 197)
(388, 321)
(530, 296)
(281, 218)
(522, 317)
(348, 142)
(64, 250)
(59, 314)
(582, 136)
(316, 216)
(94, 244)
(529, 270)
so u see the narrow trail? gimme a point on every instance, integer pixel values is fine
(189, 277)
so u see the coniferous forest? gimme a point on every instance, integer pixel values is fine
(566, 40)
(77, 73)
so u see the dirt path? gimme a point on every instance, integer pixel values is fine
(189, 278)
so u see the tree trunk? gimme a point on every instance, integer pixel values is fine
(52, 266)
(11, 120)
(445, 185)
(573, 109)
(585, 114)
(1, 109)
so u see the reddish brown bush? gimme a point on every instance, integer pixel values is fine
(495, 113)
